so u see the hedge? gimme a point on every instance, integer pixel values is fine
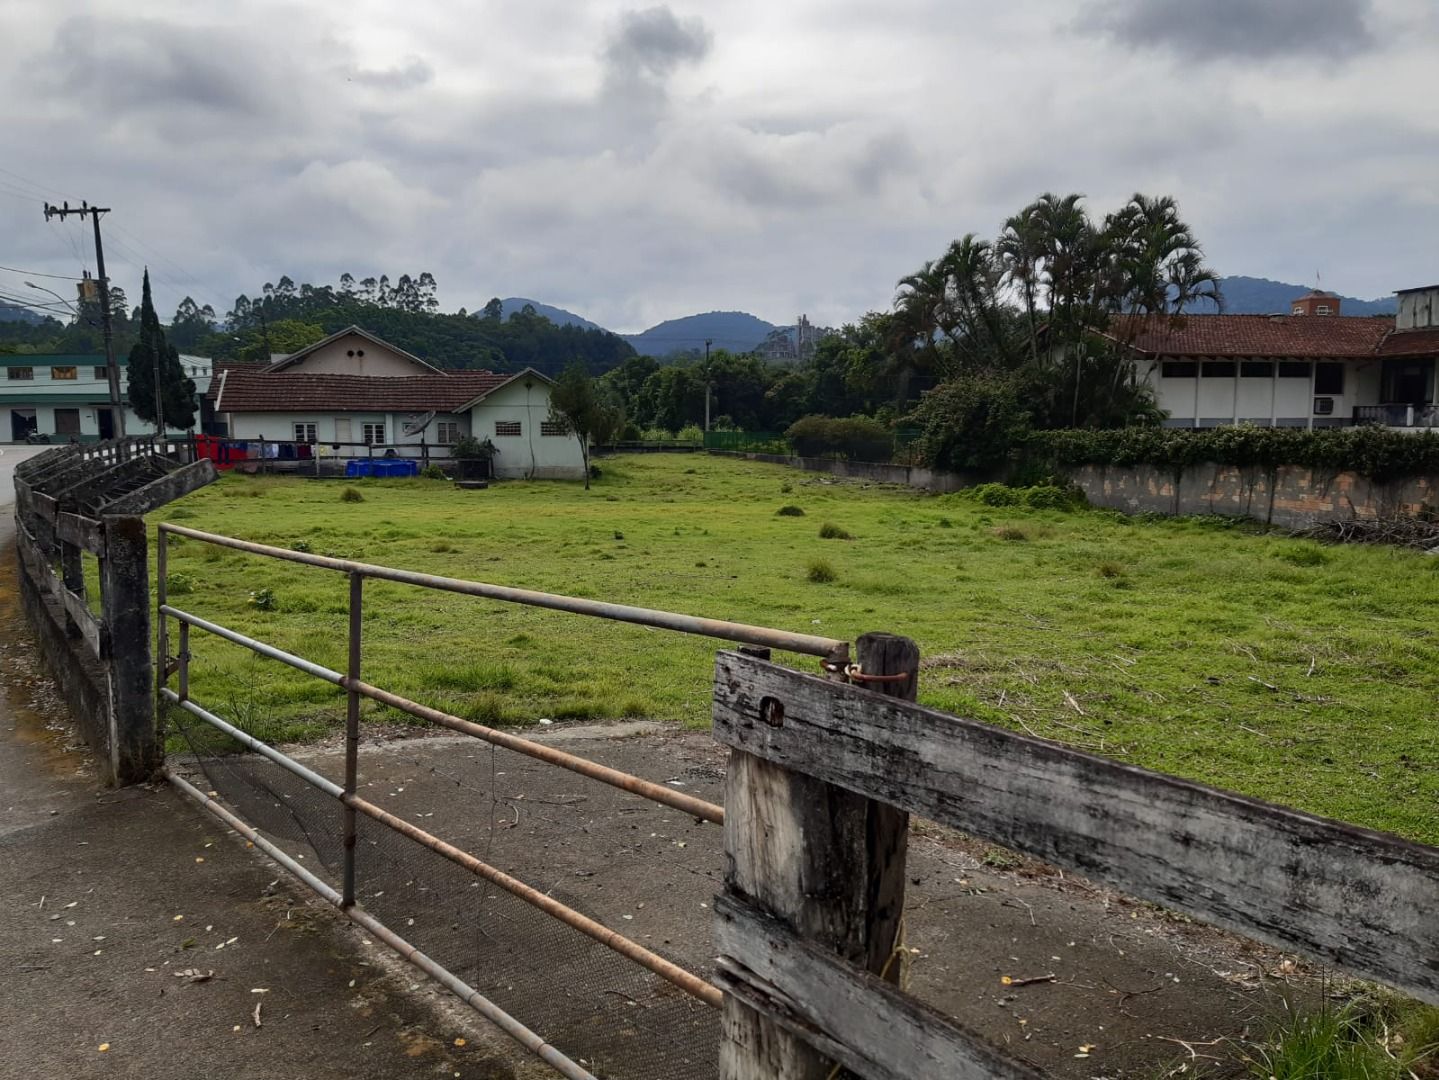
(1376, 452)
(857, 438)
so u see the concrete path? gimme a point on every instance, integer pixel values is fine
(110, 897)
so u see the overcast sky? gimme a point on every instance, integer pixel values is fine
(636, 163)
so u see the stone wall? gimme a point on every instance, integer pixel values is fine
(1290, 496)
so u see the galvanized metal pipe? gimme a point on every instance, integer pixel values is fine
(352, 736)
(319, 671)
(672, 973)
(699, 808)
(247, 740)
(808, 644)
(472, 997)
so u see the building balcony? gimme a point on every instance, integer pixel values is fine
(1398, 416)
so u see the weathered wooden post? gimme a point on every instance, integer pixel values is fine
(125, 601)
(827, 862)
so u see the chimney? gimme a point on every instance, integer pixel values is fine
(1316, 302)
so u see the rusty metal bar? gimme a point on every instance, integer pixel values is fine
(699, 808)
(689, 804)
(162, 632)
(672, 973)
(352, 735)
(472, 997)
(314, 779)
(184, 659)
(807, 644)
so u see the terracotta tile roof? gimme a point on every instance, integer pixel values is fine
(1411, 343)
(255, 390)
(1301, 336)
(218, 367)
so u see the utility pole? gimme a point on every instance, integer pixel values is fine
(112, 369)
(708, 382)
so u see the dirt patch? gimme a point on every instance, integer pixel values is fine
(1099, 985)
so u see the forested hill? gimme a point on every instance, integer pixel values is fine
(1261, 296)
(286, 317)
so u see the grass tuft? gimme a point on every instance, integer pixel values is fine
(1109, 569)
(351, 495)
(821, 572)
(1011, 532)
(830, 531)
(789, 510)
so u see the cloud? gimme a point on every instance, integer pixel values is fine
(645, 48)
(1238, 29)
(412, 73)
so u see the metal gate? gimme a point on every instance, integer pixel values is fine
(387, 866)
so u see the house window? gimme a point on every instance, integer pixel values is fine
(1297, 311)
(1329, 378)
(102, 374)
(63, 374)
(305, 433)
(1256, 369)
(447, 432)
(16, 374)
(553, 427)
(1180, 369)
(67, 421)
(507, 427)
(1219, 369)
(372, 434)
(1293, 369)
(1321, 309)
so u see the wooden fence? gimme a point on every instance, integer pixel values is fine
(822, 778)
(78, 500)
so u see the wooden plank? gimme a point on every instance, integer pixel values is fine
(849, 1015)
(1359, 899)
(165, 489)
(82, 532)
(44, 505)
(75, 606)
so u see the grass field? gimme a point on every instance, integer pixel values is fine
(1301, 674)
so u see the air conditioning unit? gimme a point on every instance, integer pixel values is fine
(1324, 406)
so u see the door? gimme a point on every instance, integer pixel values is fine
(106, 419)
(342, 432)
(22, 424)
(67, 422)
(1407, 382)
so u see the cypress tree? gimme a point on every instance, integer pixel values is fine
(177, 392)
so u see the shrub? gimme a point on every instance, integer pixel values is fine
(974, 422)
(179, 584)
(830, 531)
(469, 448)
(691, 433)
(821, 572)
(789, 511)
(433, 472)
(351, 495)
(857, 438)
(1039, 497)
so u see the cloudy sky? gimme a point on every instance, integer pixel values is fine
(634, 163)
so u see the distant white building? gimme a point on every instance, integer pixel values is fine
(354, 388)
(66, 397)
(1311, 367)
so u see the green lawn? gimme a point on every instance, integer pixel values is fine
(1304, 675)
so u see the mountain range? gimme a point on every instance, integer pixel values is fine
(739, 331)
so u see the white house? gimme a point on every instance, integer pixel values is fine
(354, 388)
(68, 396)
(1311, 367)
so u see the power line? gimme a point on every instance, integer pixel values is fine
(37, 273)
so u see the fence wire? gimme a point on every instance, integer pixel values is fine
(605, 1012)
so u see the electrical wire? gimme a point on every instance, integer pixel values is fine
(37, 273)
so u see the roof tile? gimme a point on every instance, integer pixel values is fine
(1302, 336)
(273, 391)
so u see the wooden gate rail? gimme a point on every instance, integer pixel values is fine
(1360, 900)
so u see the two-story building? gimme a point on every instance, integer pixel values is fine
(1309, 367)
(64, 397)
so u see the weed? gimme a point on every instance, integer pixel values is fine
(786, 488)
(1109, 569)
(1000, 859)
(691, 472)
(619, 535)
(263, 600)
(830, 531)
(443, 547)
(945, 523)
(1304, 555)
(433, 472)
(351, 495)
(300, 546)
(789, 510)
(1371, 1037)
(821, 572)
(179, 584)
(1011, 532)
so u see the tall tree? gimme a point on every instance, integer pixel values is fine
(584, 410)
(176, 393)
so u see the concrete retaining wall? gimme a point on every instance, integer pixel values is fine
(1290, 496)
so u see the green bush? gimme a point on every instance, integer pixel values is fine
(433, 472)
(974, 422)
(351, 495)
(179, 584)
(1375, 452)
(789, 511)
(830, 531)
(691, 433)
(1038, 497)
(857, 438)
